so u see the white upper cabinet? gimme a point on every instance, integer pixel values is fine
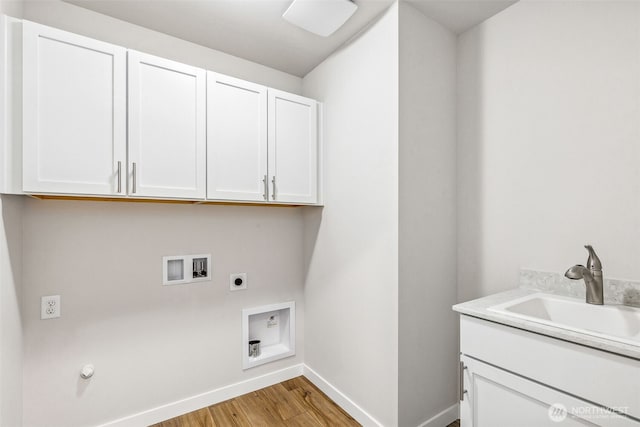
(101, 120)
(262, 144)
(74, 113)
(293, 148)
(167, 128)
(236, 139)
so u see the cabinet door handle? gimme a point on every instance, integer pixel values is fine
(133, 189)
(273, 182)
(266, 187)
(461, 389)
(119, 177)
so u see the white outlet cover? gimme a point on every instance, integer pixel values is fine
(232, 281)
(50, 307)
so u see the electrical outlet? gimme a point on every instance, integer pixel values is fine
(237, 281)
(50, 307)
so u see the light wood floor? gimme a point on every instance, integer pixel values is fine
(296, 402)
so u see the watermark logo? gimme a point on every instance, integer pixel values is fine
(557, 412)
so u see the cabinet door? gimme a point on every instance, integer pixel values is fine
(498, 398)
(167, 128)
(74, 113)
(293, 148)
(236, 139)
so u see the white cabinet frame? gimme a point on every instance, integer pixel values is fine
(87, 118)
(529, 400)
(293, 148)
(591, 375)
(236, 139)
(81, 85)
(167, 156)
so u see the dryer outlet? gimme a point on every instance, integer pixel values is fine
(237, 281)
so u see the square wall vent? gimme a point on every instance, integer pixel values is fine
(321, 17)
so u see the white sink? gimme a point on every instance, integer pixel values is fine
(615, 322)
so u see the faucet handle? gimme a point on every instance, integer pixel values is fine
(593, 262)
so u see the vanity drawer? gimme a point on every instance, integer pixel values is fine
(597, 376)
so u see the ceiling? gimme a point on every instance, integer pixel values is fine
(460, 15)
(255, 30)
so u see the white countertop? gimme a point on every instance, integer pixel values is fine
(479, 308)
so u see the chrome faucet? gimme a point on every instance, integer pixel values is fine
(592, 275)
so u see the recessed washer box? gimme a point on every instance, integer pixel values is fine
(180, 269)
(275, 326)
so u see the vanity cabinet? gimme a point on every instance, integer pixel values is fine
(167, 128)
(510, 377)
(495, 397)
(262, 144)
(74, 113)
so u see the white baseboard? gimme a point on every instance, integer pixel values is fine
(359, 414)
(174, 409)
(442, 419)
(180, 407)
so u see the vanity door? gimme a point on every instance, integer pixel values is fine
(492, 397)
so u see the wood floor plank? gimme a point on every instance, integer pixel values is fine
(199, 418)
(173, 422)
(323, 407)
(228, 414)
(305, 419)
(327, 415)
(258, 410)
(296, 402)
(285, 404)
(298, 382)
(290, 384)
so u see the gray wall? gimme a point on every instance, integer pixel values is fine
(13, 8)
(383, 251)
(11, 329)
(351, 291)
(150, 344)
(549, 124)
(428, 328)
